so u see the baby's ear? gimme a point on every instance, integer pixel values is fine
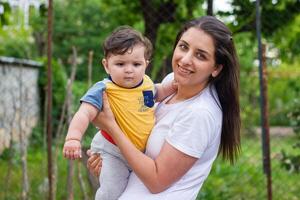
(105, 65)
(147, 62)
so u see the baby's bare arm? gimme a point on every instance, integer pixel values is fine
(85, 114)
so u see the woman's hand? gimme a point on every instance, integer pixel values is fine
(105, 120)
(94, 163)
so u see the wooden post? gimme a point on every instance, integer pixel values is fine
(49, 103)
(265, 123)
(264, 103)
(90, 68)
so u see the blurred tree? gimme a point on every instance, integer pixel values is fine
(38, 22)
(291, 161)
(281, 32)
(17, 42)
(287, 39)
(277, 19)
(273, 14)
(103, 17)
(5, 11)
(210, 8)
(84, 29)
(162, 20)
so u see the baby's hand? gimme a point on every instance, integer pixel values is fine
(72, 149)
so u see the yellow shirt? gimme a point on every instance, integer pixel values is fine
(133, 109)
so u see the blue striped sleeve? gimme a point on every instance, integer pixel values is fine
(94, 95)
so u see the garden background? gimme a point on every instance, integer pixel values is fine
(79, 28)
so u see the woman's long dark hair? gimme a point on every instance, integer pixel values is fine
(226, 83)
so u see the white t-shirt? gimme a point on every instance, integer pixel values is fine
(194, 128)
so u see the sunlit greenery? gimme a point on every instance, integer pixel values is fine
(246, 180)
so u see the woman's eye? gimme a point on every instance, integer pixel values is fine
(200, 56)
(183, 46)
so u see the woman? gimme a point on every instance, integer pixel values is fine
(201, 119)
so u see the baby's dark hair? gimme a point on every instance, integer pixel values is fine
(124, 38)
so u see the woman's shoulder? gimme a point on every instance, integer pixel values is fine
(168, 78)
(207, 99)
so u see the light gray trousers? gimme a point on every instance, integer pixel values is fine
(114, 172)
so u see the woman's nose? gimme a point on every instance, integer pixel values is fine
(186, 58)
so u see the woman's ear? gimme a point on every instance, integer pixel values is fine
(105, 65)
(216, 72)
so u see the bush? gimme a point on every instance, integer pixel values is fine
(291, 162)
(59, 82)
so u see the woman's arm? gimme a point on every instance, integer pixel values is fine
(158, 174)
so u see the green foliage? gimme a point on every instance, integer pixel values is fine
(59, 82)
(279, 23)
(246, 180)
(249, 92)
(273, 15)
(37, 175)
(291, 161)
(16, 39)
(163, 51)
(4, 17)
(11, 153)
(287, 40)
(37, 137)
(167, 32)
(17, 42)
(283, 85)
(283, 89)
(86, 28)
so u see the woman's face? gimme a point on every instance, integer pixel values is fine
(194, 59)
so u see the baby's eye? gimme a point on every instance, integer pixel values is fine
(119, 64)
(137, 64)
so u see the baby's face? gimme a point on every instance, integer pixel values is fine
(127, 70)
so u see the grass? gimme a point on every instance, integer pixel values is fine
(37, 174)
(244, 180)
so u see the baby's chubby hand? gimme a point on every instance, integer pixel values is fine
(72, 149)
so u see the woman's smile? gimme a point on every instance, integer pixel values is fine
(184, 71)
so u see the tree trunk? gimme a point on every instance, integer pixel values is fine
(153, 18)
(11, 152)
(23, 140)
(9, 167)
(92, 179)
(210, 7)
(81, 182)
(49, 98)
(40, 43)
(69, 117)
(90, 68)
(70, 180)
